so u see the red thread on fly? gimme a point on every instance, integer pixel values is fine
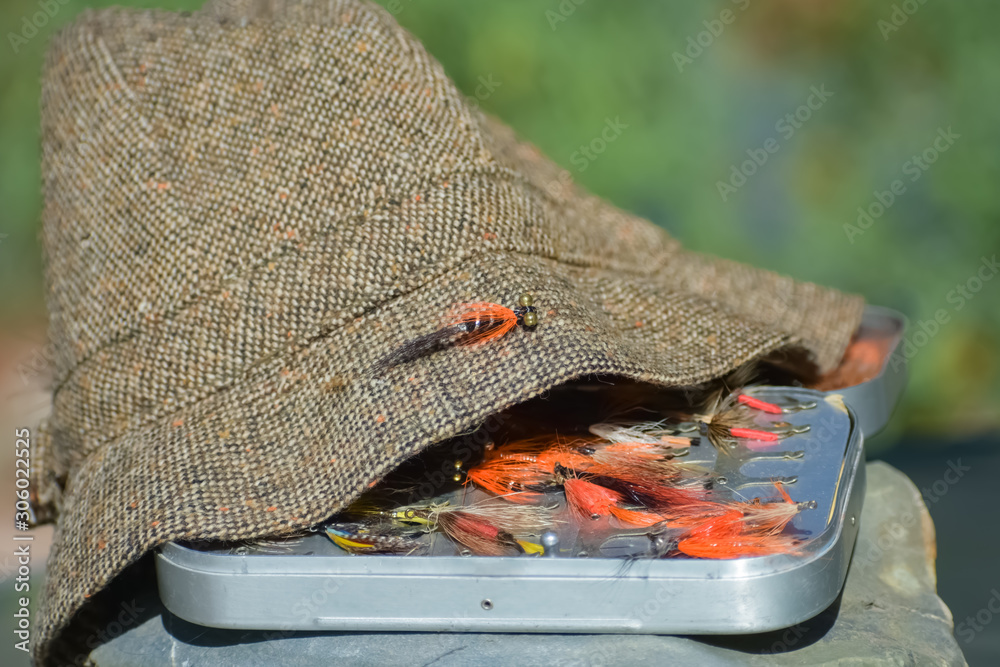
(468, 324)
(758, 404)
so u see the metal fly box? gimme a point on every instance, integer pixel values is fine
(588, 581)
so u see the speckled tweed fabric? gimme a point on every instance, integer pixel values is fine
(247, 206)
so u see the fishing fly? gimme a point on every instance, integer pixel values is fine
(722, 530)
(484, 529)
(361, 539)
(730, 417)
(744, 529)
(467, 324)
(648, 480)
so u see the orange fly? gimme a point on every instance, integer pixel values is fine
(722, 547)
(760, 517)
(734, 530)
(467, 324)
(590, 500)
(522, 470)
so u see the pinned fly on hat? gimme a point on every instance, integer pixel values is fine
(468, 324)
(249, 208)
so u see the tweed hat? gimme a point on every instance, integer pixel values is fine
(248, 206)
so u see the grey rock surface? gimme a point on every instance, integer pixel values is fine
(888, 614)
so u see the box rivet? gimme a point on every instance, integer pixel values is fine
(486, 604)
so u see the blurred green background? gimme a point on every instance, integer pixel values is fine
(692, 87)
(693, 103)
